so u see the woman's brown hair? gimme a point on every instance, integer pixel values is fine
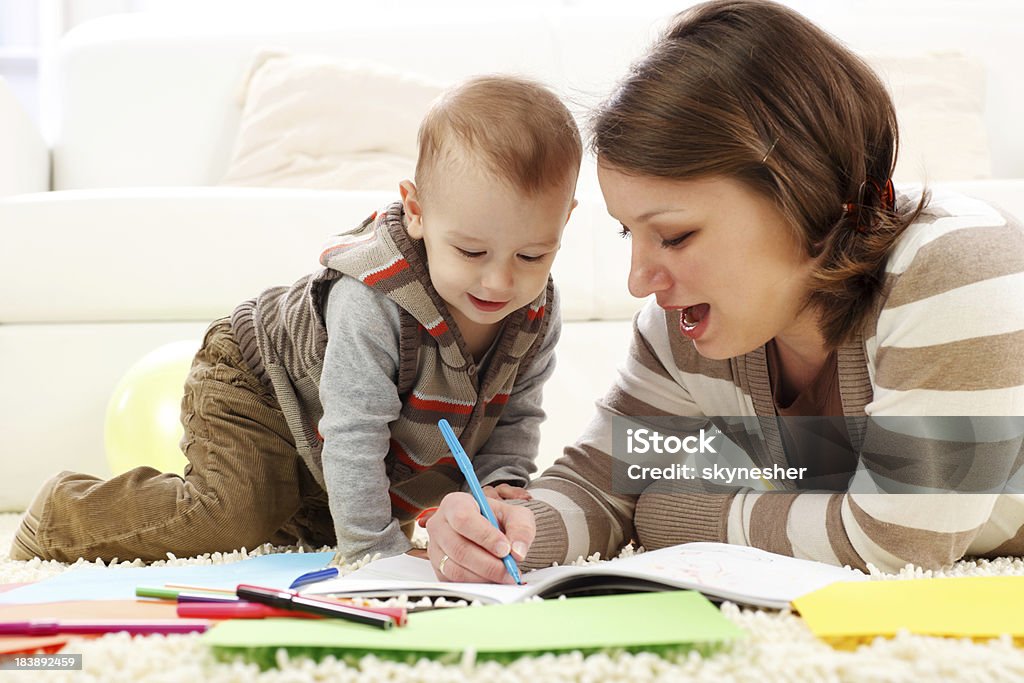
(753, 90)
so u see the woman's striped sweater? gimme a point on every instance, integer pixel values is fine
(947, 339)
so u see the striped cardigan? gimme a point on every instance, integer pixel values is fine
(947, 339)
(283, 338)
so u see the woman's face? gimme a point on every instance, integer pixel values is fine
(720, 254)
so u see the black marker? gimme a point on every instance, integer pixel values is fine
(299, 603)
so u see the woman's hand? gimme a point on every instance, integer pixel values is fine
(465, 547)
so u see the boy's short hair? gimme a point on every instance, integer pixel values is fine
(515, 128)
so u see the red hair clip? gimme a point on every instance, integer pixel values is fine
(885, 193)
(889, 196)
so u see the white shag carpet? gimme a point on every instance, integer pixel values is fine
(780, 648)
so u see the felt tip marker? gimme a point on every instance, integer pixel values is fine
(474, 488)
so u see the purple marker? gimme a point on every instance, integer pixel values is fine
(50, 627)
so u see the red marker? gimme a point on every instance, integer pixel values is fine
(254, 610)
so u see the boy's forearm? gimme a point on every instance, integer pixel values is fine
(362, 518)
(391, 541)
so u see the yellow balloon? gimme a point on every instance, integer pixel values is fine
(142, 425)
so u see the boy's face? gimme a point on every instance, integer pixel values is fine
(489, 248)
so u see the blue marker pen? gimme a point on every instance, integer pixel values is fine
(314, 577)
(474, 488)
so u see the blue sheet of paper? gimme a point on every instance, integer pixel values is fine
(118, 583)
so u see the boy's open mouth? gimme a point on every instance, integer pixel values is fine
(485, 305)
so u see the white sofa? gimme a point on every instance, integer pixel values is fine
(132, 244)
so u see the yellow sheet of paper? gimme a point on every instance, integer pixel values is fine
(980, 607)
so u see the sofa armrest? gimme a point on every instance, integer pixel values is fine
(162, 254)
(1003, 193)
(25, 161)
(193, 253)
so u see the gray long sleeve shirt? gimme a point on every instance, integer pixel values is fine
(359, 394)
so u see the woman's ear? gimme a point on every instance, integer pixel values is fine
(413, 211)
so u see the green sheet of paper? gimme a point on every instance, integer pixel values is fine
(655, 622)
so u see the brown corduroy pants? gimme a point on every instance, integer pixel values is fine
(245, 484)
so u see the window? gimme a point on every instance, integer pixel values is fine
(19, 50)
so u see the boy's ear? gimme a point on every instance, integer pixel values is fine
(413, 211)
(572, 206)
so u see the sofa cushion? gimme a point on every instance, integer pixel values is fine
(25, 162)
(940, 100)
(324, 123)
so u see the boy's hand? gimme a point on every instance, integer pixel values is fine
(499, 492)
(507, 492)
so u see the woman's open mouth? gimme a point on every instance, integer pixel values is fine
(693, 320)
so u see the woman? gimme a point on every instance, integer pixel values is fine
(748, 158)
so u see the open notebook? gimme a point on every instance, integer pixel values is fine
(722, 572)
